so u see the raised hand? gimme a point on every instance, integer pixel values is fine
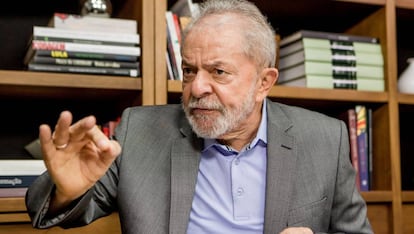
(76, 155)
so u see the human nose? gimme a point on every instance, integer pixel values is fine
(201, 85)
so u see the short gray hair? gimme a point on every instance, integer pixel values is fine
(259, 37)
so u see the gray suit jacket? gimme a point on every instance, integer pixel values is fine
(310, 180)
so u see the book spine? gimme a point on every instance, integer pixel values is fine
(352, 125)
(174, 42)
(84, 62)
(85, 55)
(83, 41)
(335, 57)
(328, 69)
(78, 22)
(13, 192)
(84, 70)
(370, 147)
(362, 146)
(326, 35)
(90, 48)
(95, 37)
(16, 181)
(326, 44)
(172, 57)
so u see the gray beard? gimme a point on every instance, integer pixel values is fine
(228, 120)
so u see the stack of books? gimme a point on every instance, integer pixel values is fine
(16, 175)
(85, 44)
(317, 59)
(177, 18)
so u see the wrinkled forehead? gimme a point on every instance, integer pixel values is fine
(226, 27)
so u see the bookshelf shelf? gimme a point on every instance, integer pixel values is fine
(407, 4)
(377, 196)
(49, 79)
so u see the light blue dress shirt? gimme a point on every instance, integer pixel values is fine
(230, 190)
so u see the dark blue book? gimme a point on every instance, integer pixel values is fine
(16, 181)
(362, 142)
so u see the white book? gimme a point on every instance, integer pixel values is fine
(78, 22)
(328, 69)
(64, 34)
(175, 42)
(328, 82)
(185, 8)
(79, 47)
(16, 167)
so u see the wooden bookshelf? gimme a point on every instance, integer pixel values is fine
(26, 97)
(390, 208)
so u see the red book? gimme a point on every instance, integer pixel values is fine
(350, 119)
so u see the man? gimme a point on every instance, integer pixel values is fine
(228, 161)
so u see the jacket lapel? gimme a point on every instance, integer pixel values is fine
(185, 158)
(281, 162)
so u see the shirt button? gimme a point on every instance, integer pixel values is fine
(237, 161)
(240, 191)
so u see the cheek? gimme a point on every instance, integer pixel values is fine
(186, 93)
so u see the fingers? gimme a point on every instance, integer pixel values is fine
(108, 148)
(61, 133)
(45, 137)
(67, 135)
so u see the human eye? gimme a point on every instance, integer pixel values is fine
(219, 72)
(188, 74)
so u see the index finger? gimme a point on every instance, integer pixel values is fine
(80, 128)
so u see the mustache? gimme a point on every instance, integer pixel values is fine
(203, 103)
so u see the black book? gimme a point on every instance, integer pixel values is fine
(84, 62)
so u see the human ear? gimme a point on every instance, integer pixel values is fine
(267, 80)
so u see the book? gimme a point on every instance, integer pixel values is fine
(16, 181)
(84, 70)
(79, 22)
(329, 82)
(326, 35)
(84, 62)
(335, 57)
(174, 47)
(84, 36)
(370, 147)
(169, 66)
(80, 55)
(21, 167)
(185, 8)
(18, 173)
(362, 143)
(13, 192)
(328, 69)
(80, 47)
(349, 117)
(327, 44)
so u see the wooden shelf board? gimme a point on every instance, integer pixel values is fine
(49, 79)
(14, 217)
(12, 204)
(407, 196)
(373, 2)
(405, 98)
(174, 86)
(407, 4)
(328, 94)
(377, 196)
(62, 85)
